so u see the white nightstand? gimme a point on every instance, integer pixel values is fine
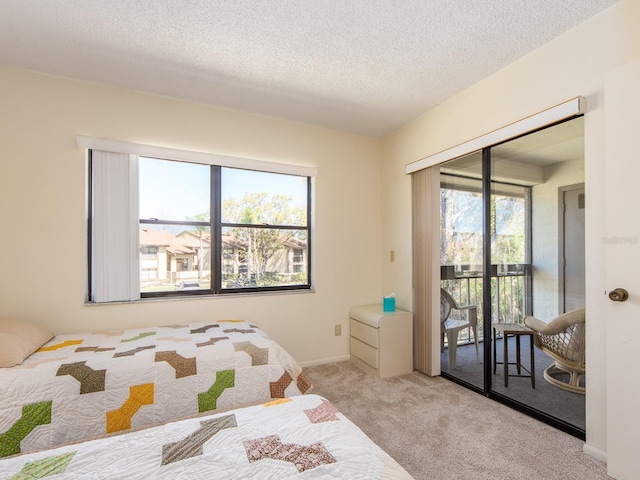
(382, 342)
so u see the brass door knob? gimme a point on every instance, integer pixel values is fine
(619, 295)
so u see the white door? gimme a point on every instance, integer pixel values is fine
(621, 241)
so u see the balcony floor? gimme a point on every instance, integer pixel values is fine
(564, 405)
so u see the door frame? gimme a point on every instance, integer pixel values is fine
(561, 245)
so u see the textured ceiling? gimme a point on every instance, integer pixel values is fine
(362, 66)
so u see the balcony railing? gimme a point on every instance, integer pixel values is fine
(510, 292)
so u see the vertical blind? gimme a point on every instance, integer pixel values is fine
(426, 269)
(114, 227)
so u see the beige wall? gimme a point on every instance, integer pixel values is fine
(42, 209)
(571, 65)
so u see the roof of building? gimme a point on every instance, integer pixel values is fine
(161, 238)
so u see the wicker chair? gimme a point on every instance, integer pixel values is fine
(452, 326)
(563, 339)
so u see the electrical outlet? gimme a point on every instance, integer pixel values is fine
(392, 255)
(338, 330)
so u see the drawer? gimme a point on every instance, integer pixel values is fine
(364, 352)
(364, 333)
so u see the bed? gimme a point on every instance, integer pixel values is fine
(297, 437)
(76, 387)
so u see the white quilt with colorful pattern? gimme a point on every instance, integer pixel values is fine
(84, 386)
(298, 437)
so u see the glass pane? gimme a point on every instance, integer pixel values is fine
(537, 257)
(510, 274)
(173, 190)
(251, 197)
(263, 257)
(174, 258)
(461, 268)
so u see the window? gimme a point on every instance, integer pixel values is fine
(148, 273)
(147, 250)
(298, 260)
(218, 229)
(265, 216)
(182, 264)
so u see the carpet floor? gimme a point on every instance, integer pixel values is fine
(439, 430)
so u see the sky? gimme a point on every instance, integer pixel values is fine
(172, 190)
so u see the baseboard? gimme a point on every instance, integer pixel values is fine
(595, 453)
(322, 361)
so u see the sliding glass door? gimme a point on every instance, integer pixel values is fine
(512, 246)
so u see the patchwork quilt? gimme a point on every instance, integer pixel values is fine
(299, 437)
(85, 386)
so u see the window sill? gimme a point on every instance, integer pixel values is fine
(205, 297)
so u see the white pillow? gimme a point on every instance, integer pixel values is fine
(19, 339)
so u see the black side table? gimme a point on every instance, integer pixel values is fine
(518, 330)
